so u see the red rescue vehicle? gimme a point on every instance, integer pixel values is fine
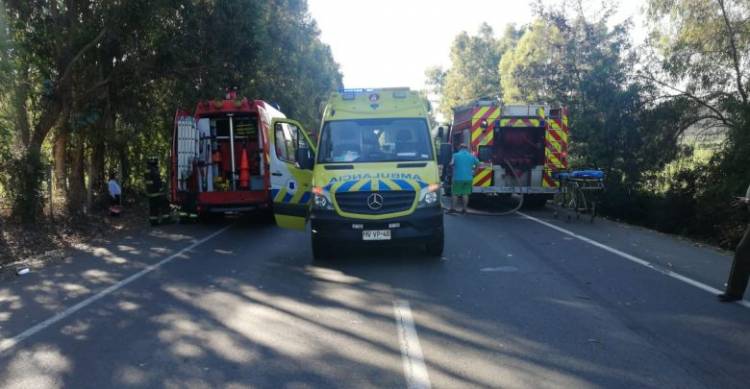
(521, 147)
(220, 158)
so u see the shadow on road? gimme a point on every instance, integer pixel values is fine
(250, 308)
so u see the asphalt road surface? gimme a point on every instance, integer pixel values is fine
(516, 301)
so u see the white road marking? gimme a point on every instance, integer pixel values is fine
(8, 343)
(677, 276)
(411, 352)
(506, 269)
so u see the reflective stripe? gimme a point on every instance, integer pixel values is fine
(483, 177)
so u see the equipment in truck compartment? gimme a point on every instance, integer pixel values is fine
(218, 159)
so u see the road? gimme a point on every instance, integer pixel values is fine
(513, 303)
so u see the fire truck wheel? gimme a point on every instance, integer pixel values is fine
(435, 246)
(535, 201)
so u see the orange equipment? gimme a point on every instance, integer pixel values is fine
(244, 170)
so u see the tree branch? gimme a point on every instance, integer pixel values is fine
(695, 98)
(733, 52)
(69, 68)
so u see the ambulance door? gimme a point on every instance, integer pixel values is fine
(292, 155)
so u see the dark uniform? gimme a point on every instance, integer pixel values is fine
(738, 277)
(158, 205)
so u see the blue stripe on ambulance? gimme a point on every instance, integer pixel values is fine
(367, 186)
(382, 186)
(305, 198)
(346, 186)
(287, 198)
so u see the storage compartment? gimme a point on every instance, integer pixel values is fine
(220, 153)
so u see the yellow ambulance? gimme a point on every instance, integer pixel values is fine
(372, 179)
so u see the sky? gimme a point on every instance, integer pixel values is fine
(387, 43)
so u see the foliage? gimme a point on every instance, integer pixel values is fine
(701, 52)
(474, 71)
(101, 80)
(630, 107)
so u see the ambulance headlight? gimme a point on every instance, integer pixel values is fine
(432, 197)
(320, 201)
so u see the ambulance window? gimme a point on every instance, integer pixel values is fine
(285, 141)
(375, 140)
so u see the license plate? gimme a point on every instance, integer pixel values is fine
(376, 235)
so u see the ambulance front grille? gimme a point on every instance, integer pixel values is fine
(392, 202)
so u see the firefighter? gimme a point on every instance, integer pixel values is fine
(740, 273)
(158, 205)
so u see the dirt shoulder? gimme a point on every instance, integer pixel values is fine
(33, 246)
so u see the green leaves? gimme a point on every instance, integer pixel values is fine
(474, 70)
(113, 72)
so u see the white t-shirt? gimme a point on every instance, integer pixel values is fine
(114, 188)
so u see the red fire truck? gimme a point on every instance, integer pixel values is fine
(521, 146)
(220, 158)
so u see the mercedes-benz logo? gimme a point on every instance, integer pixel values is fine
(375, 201)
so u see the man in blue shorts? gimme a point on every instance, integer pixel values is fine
(463, 164)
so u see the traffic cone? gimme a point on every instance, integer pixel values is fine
(244, 170)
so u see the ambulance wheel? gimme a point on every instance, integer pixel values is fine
(435, 246)
(319, 251)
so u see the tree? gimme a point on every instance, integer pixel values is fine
(474, 68)
(105, 78)
(701, 53)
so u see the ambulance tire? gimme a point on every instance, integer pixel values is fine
(319, 250)
(435, 246)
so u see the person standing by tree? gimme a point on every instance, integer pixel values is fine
(740, 273)
(115, 191)
(463, 164)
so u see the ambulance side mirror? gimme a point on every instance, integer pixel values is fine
(441, 133)
(485, 153)
(445, 154)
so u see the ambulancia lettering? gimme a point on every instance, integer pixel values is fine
(368, 176)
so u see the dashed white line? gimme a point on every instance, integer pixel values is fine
(411, 352)
(642, 262)
(8, 343)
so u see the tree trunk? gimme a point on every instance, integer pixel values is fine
(60, 154)
(97, 174)
(76, 185)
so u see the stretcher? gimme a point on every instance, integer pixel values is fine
(578, 193)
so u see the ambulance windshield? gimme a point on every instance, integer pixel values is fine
(375, 140)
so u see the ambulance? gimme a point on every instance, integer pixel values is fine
(372, 177)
